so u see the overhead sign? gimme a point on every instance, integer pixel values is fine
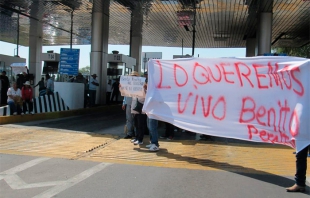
(69, 61)
(18, 68)
(261, 99)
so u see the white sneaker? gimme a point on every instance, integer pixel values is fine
(27, 113)
(31, 113)
(154, 148)
(133, 140)
(137, 142)
(22, 114)
(15, 113)
(149, 145)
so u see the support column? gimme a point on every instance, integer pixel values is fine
(265, 27)
(265, 33)
(105, 43)
(96, 44)
(136, 35)
(35, 44)
(250, 47)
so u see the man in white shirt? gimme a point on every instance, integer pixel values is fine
(49, 85)
(15, 100)
(93, 84)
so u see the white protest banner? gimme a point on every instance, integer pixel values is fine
(132, 86)
(18, 68)
(262, 99)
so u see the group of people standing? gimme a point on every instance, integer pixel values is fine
(137, 119)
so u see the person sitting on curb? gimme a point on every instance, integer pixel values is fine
(15, 101)
(27, 93)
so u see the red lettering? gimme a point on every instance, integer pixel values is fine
(289, 77)
(206, 113)
(226, 73)
(285, 109)
(195, 105)
(261, 112)
(185, 105)
(262, 135)
(258, 76)
(274, 74)
(247, 110)
(222, 100)
(219, 71)
(301, 91)
(206, 76)
(159, 86)
(246, 75)
(250, 131)
(271, 110)
(175, 75)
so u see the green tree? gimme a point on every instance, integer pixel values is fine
(85, 70)
(299, 52)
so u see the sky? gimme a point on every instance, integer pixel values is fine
(167, 52)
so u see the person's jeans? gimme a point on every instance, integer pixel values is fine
(129, 121)
(152, 126)
(140, 126)
(301, 167)
(92, 97)
(14, 108)
(30, 105)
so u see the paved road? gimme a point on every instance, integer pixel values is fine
(69, 158)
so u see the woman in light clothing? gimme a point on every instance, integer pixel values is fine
(15, 100)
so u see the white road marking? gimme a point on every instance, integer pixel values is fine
(24, 166)
(16, 183)
(72, 181)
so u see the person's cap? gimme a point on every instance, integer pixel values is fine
(145, 73)
(94, 75)
(134, 73)
(27, 83)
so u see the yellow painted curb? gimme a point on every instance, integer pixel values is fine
(58, 114)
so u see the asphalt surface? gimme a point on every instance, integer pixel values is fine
(23, 176)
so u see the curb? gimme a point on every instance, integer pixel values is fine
(58, 114)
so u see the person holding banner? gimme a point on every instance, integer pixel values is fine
(152, 125)
(129, 117)
(301, 169)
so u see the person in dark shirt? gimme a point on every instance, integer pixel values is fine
(5, 84)
(22, 79)
(115, 92)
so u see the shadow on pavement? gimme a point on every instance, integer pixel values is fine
(241, 170)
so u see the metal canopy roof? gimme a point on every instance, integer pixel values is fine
(219, 23)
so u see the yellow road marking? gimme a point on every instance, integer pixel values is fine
(247, 158)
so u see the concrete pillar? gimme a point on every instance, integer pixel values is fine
(250, 47)
(264, 33)
(96, 44)
(35, 44)
(105, 43)
(136, 35)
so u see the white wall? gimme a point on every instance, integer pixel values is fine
(71, 93)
